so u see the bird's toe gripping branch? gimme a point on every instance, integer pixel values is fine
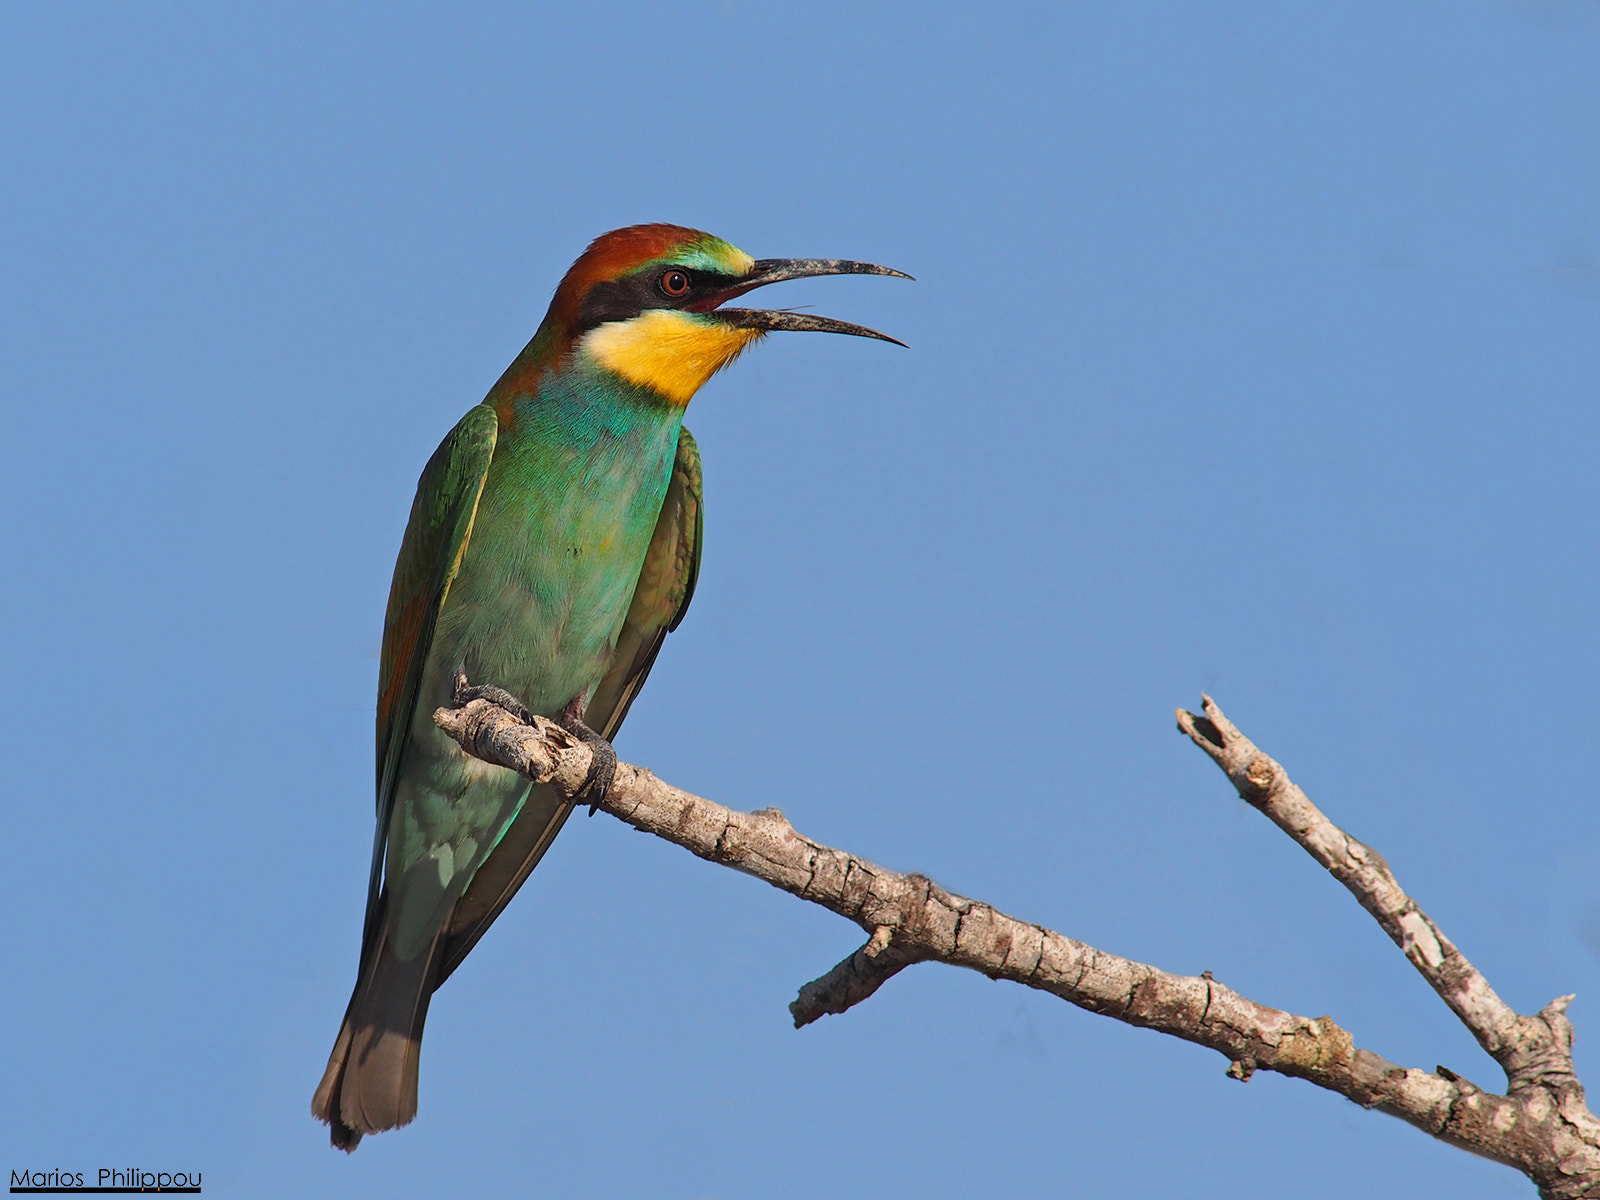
(603, 764)
(464, 693)
(603, 759)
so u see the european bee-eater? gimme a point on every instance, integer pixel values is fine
(553, 544)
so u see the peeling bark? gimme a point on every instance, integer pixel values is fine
(1540, 1125)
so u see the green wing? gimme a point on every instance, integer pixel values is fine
(430, 556)
(666, 584)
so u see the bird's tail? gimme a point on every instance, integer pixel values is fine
(371, 1081)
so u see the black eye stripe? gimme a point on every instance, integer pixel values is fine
(622, 299)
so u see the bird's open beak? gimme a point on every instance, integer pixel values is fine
(775, 270)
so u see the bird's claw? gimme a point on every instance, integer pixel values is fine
(602, 764)
(463, 694)
(603, 759)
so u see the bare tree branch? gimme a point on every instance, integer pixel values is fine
(1541, 1126)
(854, 979)
(1523, 1046)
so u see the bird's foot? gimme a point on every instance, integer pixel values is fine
(463, 693)
(603, 764)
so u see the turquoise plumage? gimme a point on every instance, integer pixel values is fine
(553, 543)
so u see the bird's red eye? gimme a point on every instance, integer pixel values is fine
(675, 283)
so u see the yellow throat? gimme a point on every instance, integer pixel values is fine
(669, 351)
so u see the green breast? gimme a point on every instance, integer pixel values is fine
(566, 515)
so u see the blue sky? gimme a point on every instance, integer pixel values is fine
(1253, 351)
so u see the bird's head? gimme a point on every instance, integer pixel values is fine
(645, 303)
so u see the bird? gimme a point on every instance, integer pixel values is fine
(554, 542)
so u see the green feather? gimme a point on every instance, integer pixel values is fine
(666, 585)
(430, 558)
